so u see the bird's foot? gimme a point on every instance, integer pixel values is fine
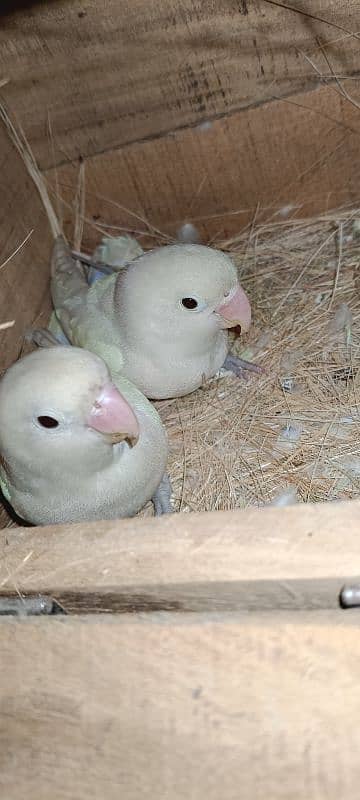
(240, 367)
(162, 497)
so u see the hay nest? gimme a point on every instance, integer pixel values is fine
(295, 429)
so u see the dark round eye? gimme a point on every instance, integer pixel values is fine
(189, 302)
(48, 422)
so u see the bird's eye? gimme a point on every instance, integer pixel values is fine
(47, 422)
(190, 303)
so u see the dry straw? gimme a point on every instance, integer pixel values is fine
(5, 325)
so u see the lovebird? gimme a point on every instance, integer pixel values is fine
(75, 445)
(161, 320)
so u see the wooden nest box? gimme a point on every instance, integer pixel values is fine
(200, 655)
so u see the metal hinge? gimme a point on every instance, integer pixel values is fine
(29, 606)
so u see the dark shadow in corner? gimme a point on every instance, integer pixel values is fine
(10, 7)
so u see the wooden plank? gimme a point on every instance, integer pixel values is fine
(138, 69)
(256, 706)
(297, 557)
(288, 158)
(24, 280)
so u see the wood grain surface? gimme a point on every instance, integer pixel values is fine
(297, 558)
(176, 108)
(289, 158)
(24, 279)
(173, 707)
(120, 72)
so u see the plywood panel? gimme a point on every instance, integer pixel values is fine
(119, 72)
(293, 157)
(24, 280)
(296, 557)
(255, 706)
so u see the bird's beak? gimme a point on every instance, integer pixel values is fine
(237, 311)
(112, 416)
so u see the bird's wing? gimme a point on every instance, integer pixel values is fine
(115, 253)
(78, 309)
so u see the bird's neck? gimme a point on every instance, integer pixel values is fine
(84, 463)
(172, 341)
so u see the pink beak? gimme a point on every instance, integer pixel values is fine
(236, 311)
(112, 416)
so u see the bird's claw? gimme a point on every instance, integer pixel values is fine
(162, 497)
(240, 367)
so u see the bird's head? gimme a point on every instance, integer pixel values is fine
(183, 290)
(59, 409)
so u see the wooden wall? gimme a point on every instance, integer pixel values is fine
(190, 110)
(295, 558)
(158, 706)
(24, 279)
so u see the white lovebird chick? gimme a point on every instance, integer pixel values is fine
(73, 446)
(161, 321)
